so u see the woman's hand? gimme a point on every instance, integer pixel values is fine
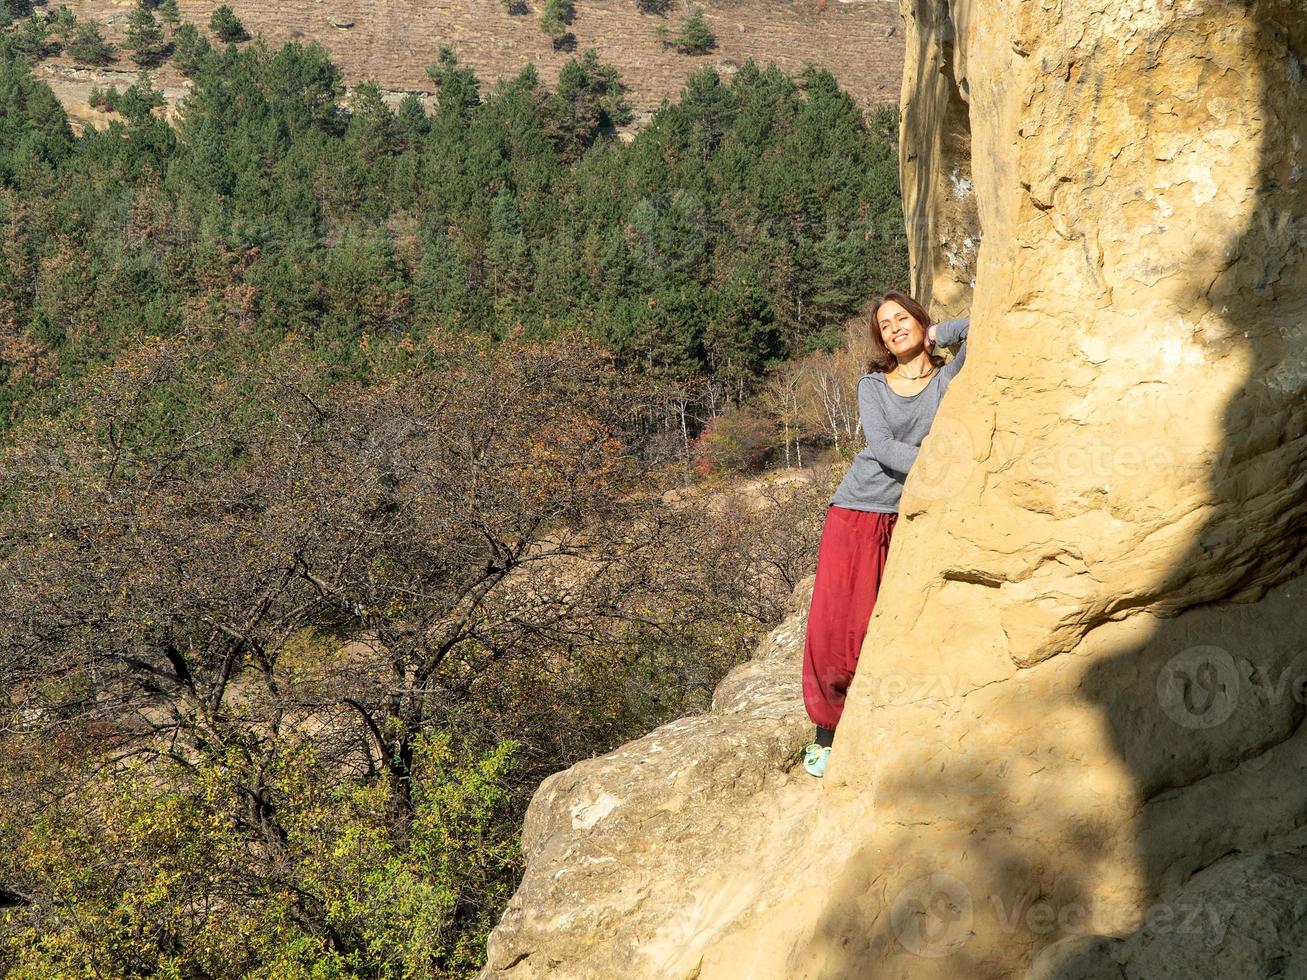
(930, 337)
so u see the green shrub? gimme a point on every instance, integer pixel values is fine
(145, 877)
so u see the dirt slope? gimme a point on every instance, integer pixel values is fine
(392, 41)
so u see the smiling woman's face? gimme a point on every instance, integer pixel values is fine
(899, 329)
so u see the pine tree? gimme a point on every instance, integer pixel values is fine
(710, 107)
(139, 100)
(441, 294)
(144, 37)
(694, 36)
(506, 250)
(169, 14)
(89, 46)
(33, 126)
(371, 132)
(189, 49)
(32, 38)
(556, 17)
(227, 26)
(63, 25)
(458, 88)
(586, 104)
(411, 122)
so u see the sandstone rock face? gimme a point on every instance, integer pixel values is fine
(625, 852)
(1083, 682)
(939, 200)
(1244, 917)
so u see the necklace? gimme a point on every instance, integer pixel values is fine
(918, 377)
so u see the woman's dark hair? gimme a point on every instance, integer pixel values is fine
(880, 360)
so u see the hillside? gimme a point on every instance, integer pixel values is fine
(392, 41)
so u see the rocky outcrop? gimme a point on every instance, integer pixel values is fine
(1083, 683)
(624, 852)
(73, 85)
(939, 200)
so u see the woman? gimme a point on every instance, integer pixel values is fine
(897, 401)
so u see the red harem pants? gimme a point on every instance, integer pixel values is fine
(850, 564)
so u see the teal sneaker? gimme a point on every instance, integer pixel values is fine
(814, 759)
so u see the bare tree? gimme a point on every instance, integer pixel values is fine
(827, 394)
(159, 562)
(780, 396)
(192, 565)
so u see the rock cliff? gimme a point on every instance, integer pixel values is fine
(626, 851)
(1081, 699)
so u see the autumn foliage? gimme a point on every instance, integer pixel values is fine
(253, 610)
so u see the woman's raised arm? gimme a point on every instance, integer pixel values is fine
(947, 334)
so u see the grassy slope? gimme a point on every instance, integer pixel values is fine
(392, 41)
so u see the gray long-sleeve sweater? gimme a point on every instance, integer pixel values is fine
(895, 426)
